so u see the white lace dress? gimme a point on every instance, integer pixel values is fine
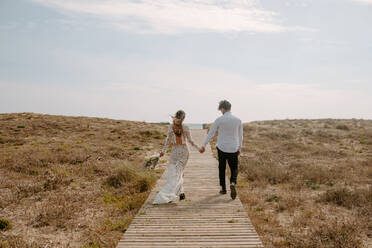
(177, 162)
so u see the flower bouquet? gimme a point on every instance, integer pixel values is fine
(151, 162)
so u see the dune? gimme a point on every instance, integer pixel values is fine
(308, 183)
(78, 182)
(72, 181)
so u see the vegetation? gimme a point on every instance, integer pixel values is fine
(308, 183)
(76, 181)
(72, 181)
(4, 225)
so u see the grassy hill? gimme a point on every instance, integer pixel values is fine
(308, 183)
(76, 180)
(72, 181)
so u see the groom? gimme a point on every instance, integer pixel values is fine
(229, 144)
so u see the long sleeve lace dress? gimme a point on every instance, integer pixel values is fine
(176, 164)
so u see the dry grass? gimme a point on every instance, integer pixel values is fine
(72, 181)
(308, 183)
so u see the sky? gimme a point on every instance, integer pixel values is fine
(145, 59)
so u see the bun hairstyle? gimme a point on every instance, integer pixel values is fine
(177, 122)
(180, 114)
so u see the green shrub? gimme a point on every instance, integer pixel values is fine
(144, 184)
(129, 204)
(272, 198)
(347, 198)
(334, 234)
(312, 185)
(5, 225)
(91, 245)
(114, 181)
(146, 133)
(342, 127)
(128, 174)
(124, 174)
(255, 170)
(120, 225)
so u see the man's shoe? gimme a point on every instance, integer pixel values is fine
(182, 197)
(233, 191)
(223, 192)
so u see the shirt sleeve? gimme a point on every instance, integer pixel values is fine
(167, 141)
(211, 133)
(189, 139)
(240, 136)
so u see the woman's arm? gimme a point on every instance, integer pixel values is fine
(167, 141)
(189, 139)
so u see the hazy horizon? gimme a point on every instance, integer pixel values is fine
(187, 122)
(144, 60)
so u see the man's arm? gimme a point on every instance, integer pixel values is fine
(211, 133)
(240, 133)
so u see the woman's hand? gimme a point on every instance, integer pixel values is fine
(161, 154)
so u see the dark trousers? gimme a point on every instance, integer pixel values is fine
(232, 159)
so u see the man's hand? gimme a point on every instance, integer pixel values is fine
(161, 154)
(238, 153)
(202, 150)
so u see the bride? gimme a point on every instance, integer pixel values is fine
(177, 136)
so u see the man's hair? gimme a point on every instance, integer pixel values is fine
(224, 104)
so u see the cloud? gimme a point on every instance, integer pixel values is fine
(129, 93)
(177, 16)
(364, 1)
(8, 26)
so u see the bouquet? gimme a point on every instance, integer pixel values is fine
(151, 162)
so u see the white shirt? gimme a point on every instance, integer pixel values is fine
(230, 133)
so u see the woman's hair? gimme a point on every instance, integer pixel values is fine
(180, 114)
(177, 121)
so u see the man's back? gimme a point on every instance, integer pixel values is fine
(230, 133)
(229, 145)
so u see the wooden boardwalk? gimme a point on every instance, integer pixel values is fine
(205, 219)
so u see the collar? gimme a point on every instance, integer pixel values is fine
(227, 113)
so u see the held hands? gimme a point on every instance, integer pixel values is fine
(161, 154)
(202, 150)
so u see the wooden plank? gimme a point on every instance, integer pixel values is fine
(205, 219)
